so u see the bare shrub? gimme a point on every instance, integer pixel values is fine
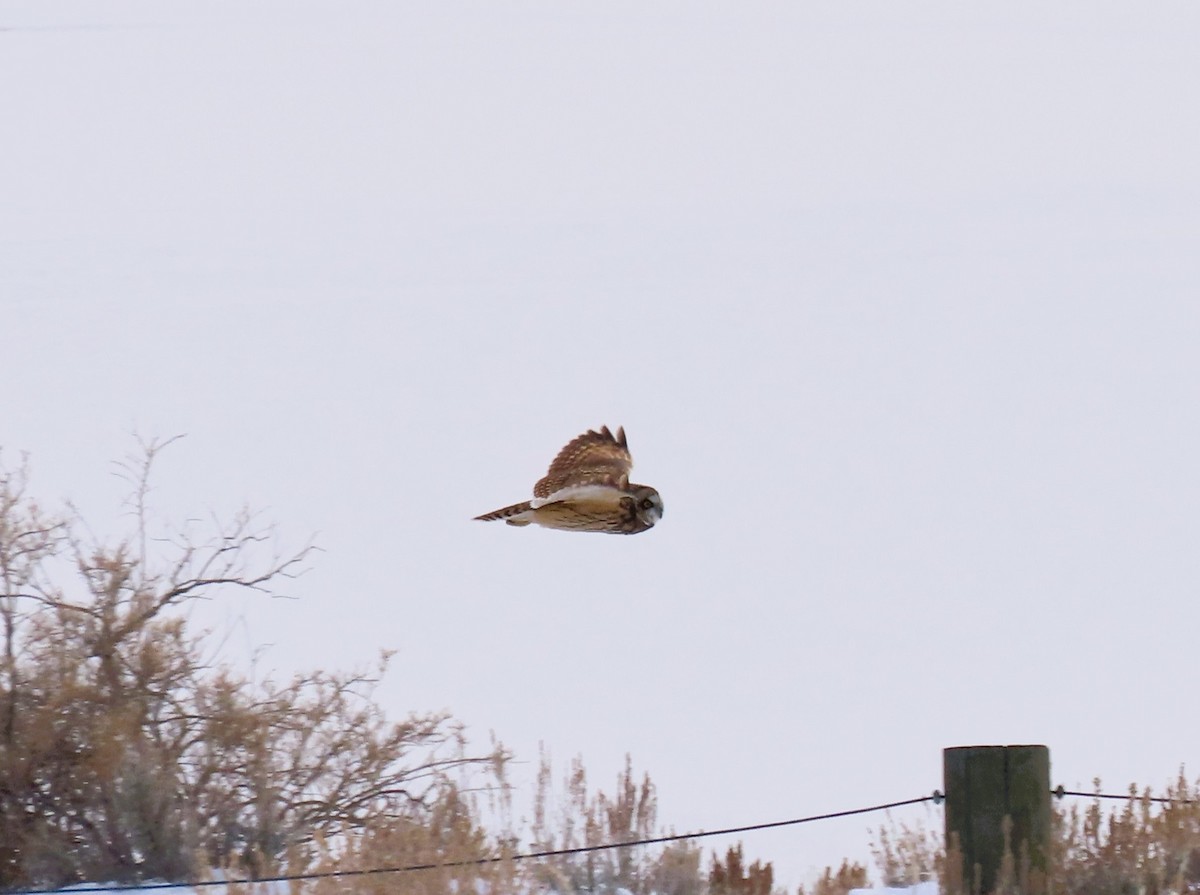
(448, 845)
(1143, 846)
(848, 876)
(907, 853)
(576, 817)
(731, 876)
(126, 755)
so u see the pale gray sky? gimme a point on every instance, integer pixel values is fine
(899, 304)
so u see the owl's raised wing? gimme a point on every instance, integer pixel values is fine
(594, 458)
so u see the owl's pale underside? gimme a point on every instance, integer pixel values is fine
(587, 489)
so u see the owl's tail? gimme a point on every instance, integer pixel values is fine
(507, 513)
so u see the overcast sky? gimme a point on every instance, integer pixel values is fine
(899, 304)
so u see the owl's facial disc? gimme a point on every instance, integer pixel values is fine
(650, 505)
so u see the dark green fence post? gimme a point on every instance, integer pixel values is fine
(986, 784)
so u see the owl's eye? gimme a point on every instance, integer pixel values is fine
(647, 503)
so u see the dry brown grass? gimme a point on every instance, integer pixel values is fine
(848, 876)
(1138, 847)
(1099, 847)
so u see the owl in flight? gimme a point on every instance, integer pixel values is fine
(588, 489)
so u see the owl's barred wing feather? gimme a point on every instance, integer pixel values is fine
(506, 513)
(594, 458)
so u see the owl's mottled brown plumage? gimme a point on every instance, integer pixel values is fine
(587, 489)
(594, 458)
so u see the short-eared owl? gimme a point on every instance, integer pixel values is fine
(588, 489)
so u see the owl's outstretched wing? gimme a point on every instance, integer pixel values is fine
(594, 458)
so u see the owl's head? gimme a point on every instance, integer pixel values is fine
(648, 504)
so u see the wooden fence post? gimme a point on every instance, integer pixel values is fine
(986, 784)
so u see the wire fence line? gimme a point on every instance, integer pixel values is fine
(1060, 792)
(935, 797)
